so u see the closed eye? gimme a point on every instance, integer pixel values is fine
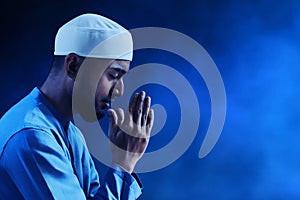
(114, 75)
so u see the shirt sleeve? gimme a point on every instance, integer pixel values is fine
(39, 168)
(119, 184)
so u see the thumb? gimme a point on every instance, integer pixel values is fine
(112, 119)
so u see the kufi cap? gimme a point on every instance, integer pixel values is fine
(92, 35)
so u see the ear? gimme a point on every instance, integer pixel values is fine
(72, 64)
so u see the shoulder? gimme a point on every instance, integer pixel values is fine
(31, 142)
(30, 138)
(26, 113)
(29, 120)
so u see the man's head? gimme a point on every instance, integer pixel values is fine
(91, 55)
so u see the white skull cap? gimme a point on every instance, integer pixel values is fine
(95, 36)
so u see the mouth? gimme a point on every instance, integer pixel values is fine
(100, 109)
(103, 105)
(106, 104)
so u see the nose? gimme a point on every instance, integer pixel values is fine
(119, 88)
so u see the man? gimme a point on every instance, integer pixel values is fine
(42, 153)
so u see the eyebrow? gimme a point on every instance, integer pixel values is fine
(118, 69)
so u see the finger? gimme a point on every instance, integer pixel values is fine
(146, 108)
(120, 114)
(133, 102)
(150, 121)
(130, 108)
(112, 118)
(137, 112)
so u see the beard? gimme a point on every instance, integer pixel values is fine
(100, 107)
(90, 111)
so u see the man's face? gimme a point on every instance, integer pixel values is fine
(110, 85)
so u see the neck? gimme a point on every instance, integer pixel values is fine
(56, 91)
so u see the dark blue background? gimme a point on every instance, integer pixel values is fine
(256, 46)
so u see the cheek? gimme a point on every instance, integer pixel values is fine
(103, 88)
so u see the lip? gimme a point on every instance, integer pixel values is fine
(106, 104)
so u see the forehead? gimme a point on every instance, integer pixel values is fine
(120, 65)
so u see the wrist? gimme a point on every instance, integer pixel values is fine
(122, 167)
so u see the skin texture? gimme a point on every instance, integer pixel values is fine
(129, 131)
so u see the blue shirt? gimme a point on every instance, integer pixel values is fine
(42, 156)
